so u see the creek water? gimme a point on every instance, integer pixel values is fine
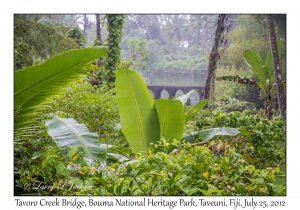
(182, 80)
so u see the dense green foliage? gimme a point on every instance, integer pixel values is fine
(47, 163)
(226, 174)
(269, 147)
(156, 172)
(37, 38)
(37, 157)
(75, 33)
(263, 70)
(163, 58)
(194, 171)
(96, 108)
(174, 42)
(139, 55)
(250, 33)
(244, 93)
(232, 104)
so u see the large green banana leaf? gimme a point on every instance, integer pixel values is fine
(269, 61)
(67, 131)
(212, 132)
(171, 118)
(32, 80)
(195, 109)
(138, 116)
(263, 70)
(257, 66)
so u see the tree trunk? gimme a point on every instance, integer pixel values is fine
(98, 34)
(214, 56)
(268, 107)
(276, 65)
(212, 89)
(85, 25)
(149, 33)
(98, 27)
(205, 40)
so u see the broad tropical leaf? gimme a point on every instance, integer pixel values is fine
(32, 80)
(269, 61)
(212, 132)
(124, 151)
(195, 109)
(247, 132)
(171, 118)
(138, 116)
(67, 131)
(257, 66)
(120, 158)
(191, 137)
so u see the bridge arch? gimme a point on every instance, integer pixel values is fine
(172, 90)
(179, 93)
(195, 97)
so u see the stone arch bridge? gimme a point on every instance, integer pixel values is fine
(157, 89)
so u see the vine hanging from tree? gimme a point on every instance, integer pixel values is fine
(114, 28)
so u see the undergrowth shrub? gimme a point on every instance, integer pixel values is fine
(228, 104)
(41, 169)
(191, 171)
(38, 160)
(95, 107)
(269, 147)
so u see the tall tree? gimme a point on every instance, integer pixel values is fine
(208, 25)
(98, 27)
(98, 35)
(277, 74)
(214, 56)
(143, 21)
(69, 20)
(75, 33)
(250, 33)
(195, 26)
(201, 26)
(85, 24)
(176, 29)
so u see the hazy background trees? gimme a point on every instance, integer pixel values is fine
(158, 44)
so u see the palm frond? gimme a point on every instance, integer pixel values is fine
(32, 91)
(29, 114)
(32, 80)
